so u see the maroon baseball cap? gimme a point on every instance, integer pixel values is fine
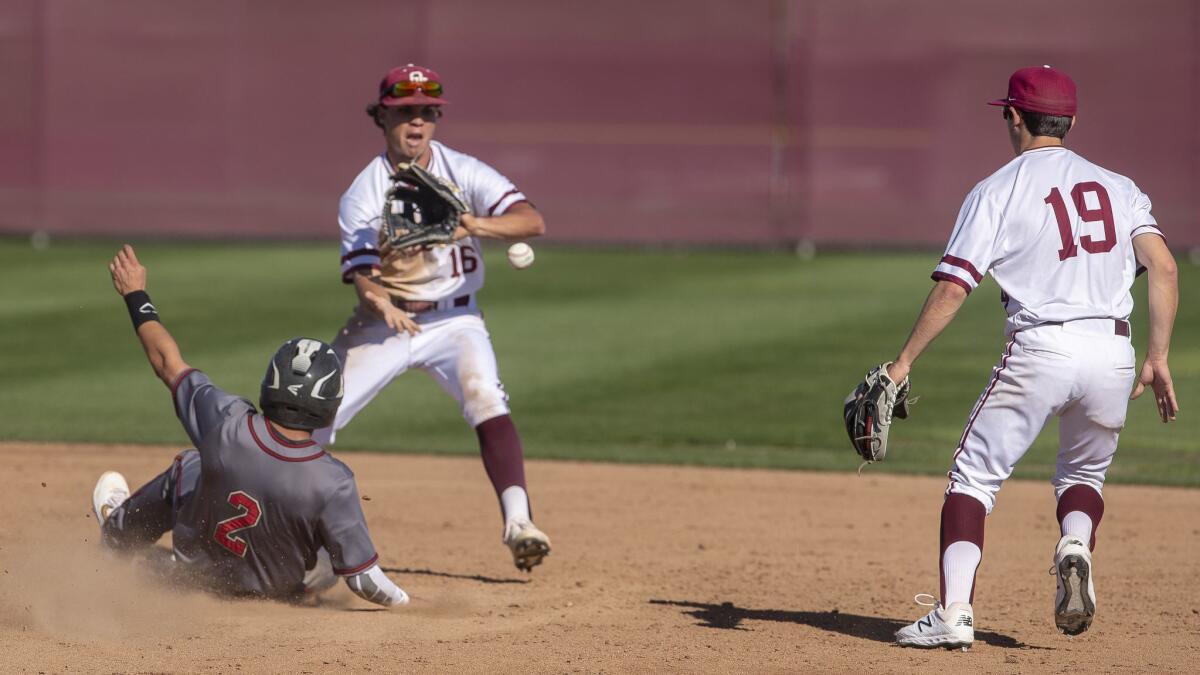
(1040, 89)
(411, 85)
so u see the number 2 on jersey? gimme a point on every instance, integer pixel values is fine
(1103, 213)
(250, 513)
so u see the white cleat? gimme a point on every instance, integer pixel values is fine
(111, 491)
(1075, 601)
(951, 627)
(528, 544)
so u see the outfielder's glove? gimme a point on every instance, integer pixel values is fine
(869, 410)
(420, 209)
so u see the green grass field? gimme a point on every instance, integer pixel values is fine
(715, 358)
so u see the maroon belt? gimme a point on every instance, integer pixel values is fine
(1120, 326)
(419, 306)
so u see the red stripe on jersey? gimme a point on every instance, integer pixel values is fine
(360, 568)
(942, 276)
(360, 251)
(964, 265)
(283, 440)
(504, 196)
(262, 446)
(520, 201)
(349, 274)
(1134, 232)
(179, 380)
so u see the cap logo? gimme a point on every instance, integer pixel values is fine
(417, 76)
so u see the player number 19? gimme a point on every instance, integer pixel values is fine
(1103, 213)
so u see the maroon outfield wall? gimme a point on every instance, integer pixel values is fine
(854, 122)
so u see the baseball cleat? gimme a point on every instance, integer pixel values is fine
(951, 627)
(111, 491)
(1075, 601)
(528, 544)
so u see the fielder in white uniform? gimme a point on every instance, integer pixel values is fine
(417, 307)
(1064, 239)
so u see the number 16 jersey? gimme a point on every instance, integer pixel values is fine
(435, 272)
(1056, 233)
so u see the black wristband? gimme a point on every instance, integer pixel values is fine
(140, 308)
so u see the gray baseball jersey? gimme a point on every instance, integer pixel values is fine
(264, 505)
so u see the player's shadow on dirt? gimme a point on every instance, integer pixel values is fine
(450, 575)
(730, 617)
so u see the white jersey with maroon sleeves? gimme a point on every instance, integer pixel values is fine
(439, 272)
(1056, 233)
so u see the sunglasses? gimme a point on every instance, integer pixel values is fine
(1007, 113)
(407, 113)
(403, 89)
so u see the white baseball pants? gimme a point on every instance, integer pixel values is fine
(1081, 372)
(453, 348)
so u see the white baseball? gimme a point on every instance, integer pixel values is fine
(520, 255)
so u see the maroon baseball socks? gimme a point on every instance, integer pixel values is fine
(1080, 509)
(961, 547)
(504, 461)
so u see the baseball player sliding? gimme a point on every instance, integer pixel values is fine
(1064, 239)
(258, 508)
(417, 305)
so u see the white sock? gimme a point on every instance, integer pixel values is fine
(1077, 524)
(515, 503)
(959, 563)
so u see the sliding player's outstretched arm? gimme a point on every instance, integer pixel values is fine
(129, 278)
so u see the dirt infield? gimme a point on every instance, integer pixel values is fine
(654, 568)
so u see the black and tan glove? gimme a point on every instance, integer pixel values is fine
(869, 409)
(420, 209)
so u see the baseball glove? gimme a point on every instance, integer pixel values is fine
(869, 410)
(420, 209)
